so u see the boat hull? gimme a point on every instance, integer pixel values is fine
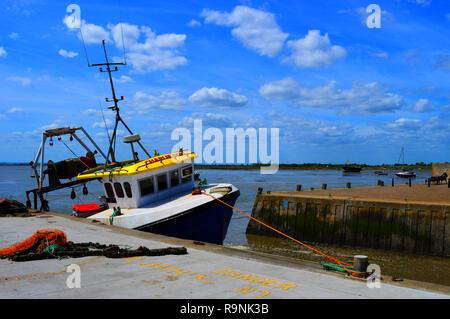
(406, 175)
(351, 169)
(206, 223)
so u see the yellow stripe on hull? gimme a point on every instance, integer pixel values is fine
(151, 164)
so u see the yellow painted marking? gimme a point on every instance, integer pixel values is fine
(226, 272)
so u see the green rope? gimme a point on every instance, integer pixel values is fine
(202, 183)
(116, 213)
(55, 247)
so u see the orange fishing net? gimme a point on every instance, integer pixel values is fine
(40, 240)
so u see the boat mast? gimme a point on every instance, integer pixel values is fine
(115, 107)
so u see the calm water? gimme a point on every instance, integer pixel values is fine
(14, 180)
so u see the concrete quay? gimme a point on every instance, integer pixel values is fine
(206, 272)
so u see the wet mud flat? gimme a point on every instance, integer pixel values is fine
(397, 265)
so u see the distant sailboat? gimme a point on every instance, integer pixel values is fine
(404, 173)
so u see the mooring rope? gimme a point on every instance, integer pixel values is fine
(339, 262)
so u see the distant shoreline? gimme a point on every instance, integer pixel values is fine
(305, 166)
(314, 166)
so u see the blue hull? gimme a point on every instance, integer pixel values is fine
(206, 223)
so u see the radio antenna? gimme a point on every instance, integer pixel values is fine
(84, 45)
(115, 107)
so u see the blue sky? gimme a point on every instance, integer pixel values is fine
(336, 89)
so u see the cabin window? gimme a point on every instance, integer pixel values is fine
(174, 178)
(162, 182)
(147, 186)
(127, 188)
(186, 174)
(109, 190)
(119, 190)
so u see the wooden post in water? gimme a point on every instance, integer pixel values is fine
(299, 188)
(392, 182)
(409, 182)
(324, 186)
(349, 185)
(260, 189)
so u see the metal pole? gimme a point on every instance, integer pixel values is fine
(41, 176)
(93, 143)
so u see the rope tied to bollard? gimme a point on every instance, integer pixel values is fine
(339, 262)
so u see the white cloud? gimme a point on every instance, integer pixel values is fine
(15, 110)
(167, 100)
(91, 33)
(2, 53)
(361, 98)
(404, 124)
(101, 124)
(67, 54)
(424, 105)
(13, 35)
(314, 50)
(155, 52)
(22, 80)
(383, 55)
(208, 120)
(194, 23)
(256, 29)
(214, 97)
(421, 2)
(123, 79)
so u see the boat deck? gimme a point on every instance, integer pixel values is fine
(207, 271)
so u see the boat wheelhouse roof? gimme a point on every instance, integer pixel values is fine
(131, 168)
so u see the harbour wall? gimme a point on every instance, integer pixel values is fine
(410, 227)
(438, 169)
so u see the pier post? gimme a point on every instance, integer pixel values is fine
(260, 189)
(324, 186)
(409, 182)
(349, 185)
(392, 182)
(299, 188)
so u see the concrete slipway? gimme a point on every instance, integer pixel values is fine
(207, 271)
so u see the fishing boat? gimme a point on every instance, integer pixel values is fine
(347, 168)
(155, 194)
(404, 173)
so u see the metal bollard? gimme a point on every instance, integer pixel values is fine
(360, 263)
